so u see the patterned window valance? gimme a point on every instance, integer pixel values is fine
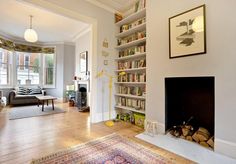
(9, 45)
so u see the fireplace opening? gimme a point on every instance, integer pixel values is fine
(81, 98)
(189, 108)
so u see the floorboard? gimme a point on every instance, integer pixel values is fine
(22, 140)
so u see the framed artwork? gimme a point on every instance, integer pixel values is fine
(83, 62)
(187, 33)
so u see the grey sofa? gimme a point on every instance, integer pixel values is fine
(17, 99)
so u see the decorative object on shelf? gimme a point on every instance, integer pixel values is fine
(141, 4)
(118, 17)
(30, 34)
(83, 62)
(187, 33)
(139, 119)
(111, 77)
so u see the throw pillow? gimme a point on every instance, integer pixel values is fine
(22, 91)
(33, 91)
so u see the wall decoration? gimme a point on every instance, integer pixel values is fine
(83, 62)
(105, 43)
(105, 62)
(187, 33)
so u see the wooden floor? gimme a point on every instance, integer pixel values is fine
(22, 140)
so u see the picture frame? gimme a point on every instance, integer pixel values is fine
(83, 62)
(187, 33)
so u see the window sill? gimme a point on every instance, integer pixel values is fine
(49, 86)
(6, 87)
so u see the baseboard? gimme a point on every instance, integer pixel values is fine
(99, 117)
(160, 128)
(60, 100)
(225, 147)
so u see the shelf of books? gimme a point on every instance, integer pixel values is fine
(131, 47)
(140, 27)
(130, 109)
(130, 96)
(141, 13)
(132, 69)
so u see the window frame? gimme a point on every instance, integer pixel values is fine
(54, 71)
(13, 65)
(9, 68)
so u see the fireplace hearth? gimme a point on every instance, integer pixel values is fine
(189, 110)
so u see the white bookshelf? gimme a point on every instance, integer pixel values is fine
(131, 57)
(131, 83)
(130, 109)
(137, 46)
(131, 96)
(132, 17)
(131, 44)
(140, 27)
(132, 69)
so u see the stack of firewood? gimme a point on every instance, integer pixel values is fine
(201, 136)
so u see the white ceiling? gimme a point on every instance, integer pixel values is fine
(117, 5)
(49, 26)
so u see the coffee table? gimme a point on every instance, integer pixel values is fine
(42, 99)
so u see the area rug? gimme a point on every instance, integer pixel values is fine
(32, 111)
(111, 149)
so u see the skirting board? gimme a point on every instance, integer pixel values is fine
(225, 147)
(186, 149)
(99, 117)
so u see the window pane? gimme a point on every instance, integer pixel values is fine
(49, 69)
(22, 75)
(4, 66)
(3, 74)
(28, 68)
(34, 75)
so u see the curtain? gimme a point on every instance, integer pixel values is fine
(11, 46)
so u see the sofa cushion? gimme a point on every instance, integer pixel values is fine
(33, 91)
(22, 91)
(27, 96)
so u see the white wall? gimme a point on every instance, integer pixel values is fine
(83, 43)
(220, 61)
(65, 56)
(69, 66)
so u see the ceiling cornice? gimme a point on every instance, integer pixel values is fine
(101, 5)
(81, 33)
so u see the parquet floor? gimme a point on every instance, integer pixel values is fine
(22, 140)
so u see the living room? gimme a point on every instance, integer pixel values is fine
(165, 81)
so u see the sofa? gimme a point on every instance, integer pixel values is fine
(25, 95)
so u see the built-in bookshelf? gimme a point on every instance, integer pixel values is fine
(131, 48)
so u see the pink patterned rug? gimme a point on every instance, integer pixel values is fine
(111, 149)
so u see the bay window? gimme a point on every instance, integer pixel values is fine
(26, 65)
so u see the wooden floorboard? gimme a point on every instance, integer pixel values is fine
(22, 140)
